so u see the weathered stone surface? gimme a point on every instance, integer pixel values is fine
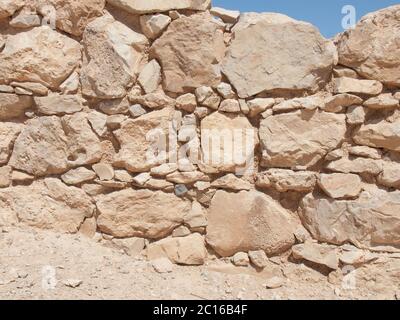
(141, 213)
(187, 177)
(350, 85)
(154, 25)
(113, 54)
(241, 259)
(78, 176)
(382, 101)
(150, 76)
(56, 104)
(8, 134)
(258, 258)
(187, 102)
(300, 138)
(189, 53)
(228, 16)
(366, 152)
(154, 100)
(383, 134)
(25, 19)
(285, 180)
(370, 221)
(372, 48)
(339, 101)
(39, 55)
(228, 157)
(356, 165)
(5, 177)
(72, 16)
(231, 182)
(259, 105)
(355, 115)
(340, 185)
(13, 106)
(137, 153)
(162, 265)
(188, 250)
(47, 204)
(390, 176)
(230, 106)
(308, 103)
(34, 87)
(319, 254)
(152, 6)
(274, 52)
(50, 145)
(9, 7)
(248, 221)
(71, 85)
(98, 122)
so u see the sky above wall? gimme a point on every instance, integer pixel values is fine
(326, 15)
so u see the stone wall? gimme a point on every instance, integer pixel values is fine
(107, 111)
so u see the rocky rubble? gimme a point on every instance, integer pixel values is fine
(185, 132)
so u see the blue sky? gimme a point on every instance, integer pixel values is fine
(325, 14)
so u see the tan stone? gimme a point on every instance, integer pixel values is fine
(141, 213)
(158, 184)
(356, 165)
(228, 16)
(187, 102)
(71, 85)
(233, 155)
(259, 105)
(136, 153)
(371, 48)
(5, 177)
(154, 25)
(370, 221)
(154, 100)
(113, 54)
(308, 103)
(8, 133)
(355, 115)
(339, 101)
(152, 6)
(25, 19)
(340, 185)
(98, 122)
(13, 106)
(189, 53)
(39, 55)
(36, 88)
(225, 90)
(390, 176)
(72, 16)
(104, 171)
(187, 177)
(162, 265)
(230, 106)
(248, 221)
(300, 138)
(47, 204)
(366, 152)
(273, 52)
(258, 258)
(114, 106)
(133, 247)
(50, 145)
(88, 227)
(381, 134)
(285, 180)
(21, 177)
(350, 85)
(78, 176)
(150, 76)
(188, 250)
(382, 101)
(319, 254)
(196, 218)
(231, 182)
(56, 104)
(9, 7)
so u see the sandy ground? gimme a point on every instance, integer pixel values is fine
(43, 265)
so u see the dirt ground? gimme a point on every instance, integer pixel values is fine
(43, 265)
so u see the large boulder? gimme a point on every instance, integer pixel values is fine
(113, 55)
(249, 221)
(8, 133)
(271, 51)
(144, 140)
(372, 48)
(140, 213)
(152, 6)
(50, 145)
(373, 220)
(383, 134)
(39, 55)
(190, 52)
(46, 204)
(300, 138)
(228, 141)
